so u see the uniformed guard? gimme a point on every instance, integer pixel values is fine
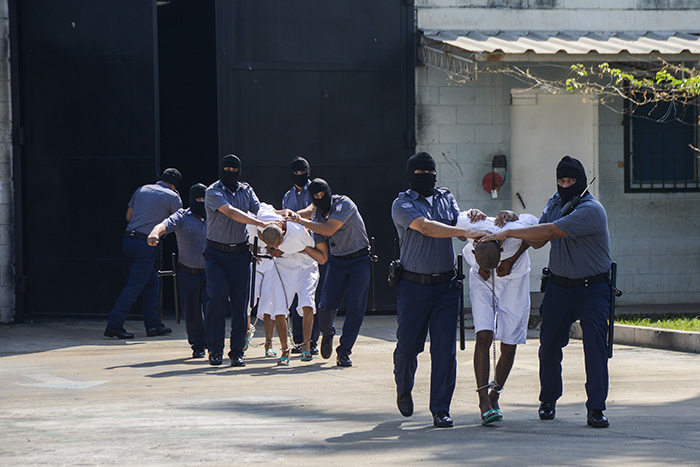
(340, 234)
(296, 199)
(149, 205)
(227, 259)
(428, 292)
(190, 226)
(576, 288)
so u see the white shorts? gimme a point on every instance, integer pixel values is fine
(301, 282)
(277, 284)
(268, 290)
(512, 306)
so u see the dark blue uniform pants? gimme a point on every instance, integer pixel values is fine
(298, 325)
(341, 275)
(562, 306)
(423, 308)
(192, 290)
(228, 285)
(142, 280)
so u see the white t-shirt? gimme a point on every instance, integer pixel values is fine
(296, 239)
(509, 246)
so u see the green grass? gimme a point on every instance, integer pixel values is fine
(686, 322)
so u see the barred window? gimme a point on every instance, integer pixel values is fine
(661, 141)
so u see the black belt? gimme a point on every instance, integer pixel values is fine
(194, 271)
(428, 279)
(585, 282)
(135, 234)
(234, 248)
(357, 254)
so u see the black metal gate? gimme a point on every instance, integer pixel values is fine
(332, 81)
(86, 128)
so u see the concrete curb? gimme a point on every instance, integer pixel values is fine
(684, 341)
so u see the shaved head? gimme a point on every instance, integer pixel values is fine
(272, 235)
(487, 254)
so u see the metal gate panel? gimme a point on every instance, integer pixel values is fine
(328, 80)
(88, 105)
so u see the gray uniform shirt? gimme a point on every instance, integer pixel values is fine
(419, 253)
(585, 251)
(191, 231)
(352, 235)
(220, 227)
(151, 204)
(296, 199)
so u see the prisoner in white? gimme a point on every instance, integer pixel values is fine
(512, 292)
(294, 272)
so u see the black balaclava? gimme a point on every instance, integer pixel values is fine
(319, 185)
(198, 191)
(171, 176)
(571, 168)
(230, 179)
(423, 183)
(299, 163)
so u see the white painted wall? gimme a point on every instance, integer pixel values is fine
(544, 127)
(7, 275)
(558, 15)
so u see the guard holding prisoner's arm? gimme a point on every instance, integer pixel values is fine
(190, 226)
(428, 291)
(341, 238)
(149, 205)
(227, 259)
(576, 288)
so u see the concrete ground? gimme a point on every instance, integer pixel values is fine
(72, 397)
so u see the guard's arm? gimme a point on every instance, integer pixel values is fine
(307, 211)
(129, 212)
(319, 253)
(240, 216)
(326, 229)
(435, 229)
(157, 232)
(535, 235)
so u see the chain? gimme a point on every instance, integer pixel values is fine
(493, 384)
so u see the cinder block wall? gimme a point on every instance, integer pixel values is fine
(7, 275)
(655, 237)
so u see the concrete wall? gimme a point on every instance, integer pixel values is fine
(655, 237)
(558, 15)
(7, 276)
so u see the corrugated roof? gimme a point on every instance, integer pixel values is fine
(572, 43)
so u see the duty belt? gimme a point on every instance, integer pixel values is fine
(194, 271)
(585, 282)
(428, 279)
(357, 254)
(135, 234)
(233, 248)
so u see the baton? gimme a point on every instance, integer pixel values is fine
(614, 292)
(172, 273)
(254, 259)
(460, 286)
(373, 259)
(177, 303)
